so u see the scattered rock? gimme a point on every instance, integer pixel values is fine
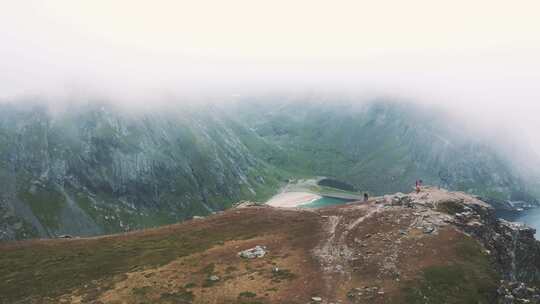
(517, 292)
(252, 253)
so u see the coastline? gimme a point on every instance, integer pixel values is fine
(292, 199)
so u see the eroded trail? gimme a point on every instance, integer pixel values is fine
(333, 252)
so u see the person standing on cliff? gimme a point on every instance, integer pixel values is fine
(418, 184)
(366, 197)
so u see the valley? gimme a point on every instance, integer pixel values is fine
(95, 168)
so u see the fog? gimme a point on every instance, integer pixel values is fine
(480, 60)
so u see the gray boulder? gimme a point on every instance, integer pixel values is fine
(252, 253)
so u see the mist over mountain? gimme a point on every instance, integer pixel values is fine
(383, 144)
(95, 167)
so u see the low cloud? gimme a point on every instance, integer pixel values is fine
(173, 52)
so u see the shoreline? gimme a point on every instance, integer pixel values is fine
(292, 199)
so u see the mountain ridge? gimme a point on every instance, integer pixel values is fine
(434, 246)
(95, 168)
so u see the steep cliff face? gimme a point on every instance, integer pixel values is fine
(512, 248)
(97, 169)
(516, 251)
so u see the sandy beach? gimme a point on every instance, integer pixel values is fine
(292, 199)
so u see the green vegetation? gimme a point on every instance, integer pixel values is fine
(103, 209)
(333, 183)
(247, 294)
(208, 283)
(208, 269)
(325, 190)
(46, 203)
(141, 291)
(282, 274)
(471, 279)
(179, 297)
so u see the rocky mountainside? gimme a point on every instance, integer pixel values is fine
(429, 247)
(96, 168)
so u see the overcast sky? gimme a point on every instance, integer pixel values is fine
(479, 58)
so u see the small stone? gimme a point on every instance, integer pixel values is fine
(316, 299)
(428, 229)
(214, 278)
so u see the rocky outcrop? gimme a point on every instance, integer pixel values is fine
(512, 246)
(517, 292)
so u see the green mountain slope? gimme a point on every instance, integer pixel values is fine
(381, 146)
(96, 169)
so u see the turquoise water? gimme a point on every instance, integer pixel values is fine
(325, 201)
(531, 218)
